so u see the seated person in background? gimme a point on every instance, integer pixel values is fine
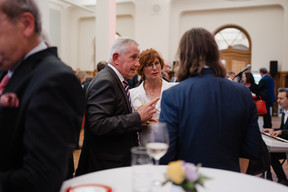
(281, 132)
(151, 64)
(210, 120)
(249, 82)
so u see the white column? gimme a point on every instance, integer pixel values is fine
(105, 28)
(44, 10)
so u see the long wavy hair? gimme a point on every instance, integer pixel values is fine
(198, 48)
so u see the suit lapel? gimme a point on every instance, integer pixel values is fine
(121, 87)
(21, 76)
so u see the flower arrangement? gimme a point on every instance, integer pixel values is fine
(185, 175)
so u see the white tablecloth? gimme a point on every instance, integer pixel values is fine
(120, 180)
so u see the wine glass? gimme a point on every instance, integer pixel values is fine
(156, 141)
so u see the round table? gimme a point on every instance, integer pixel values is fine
(120, 180)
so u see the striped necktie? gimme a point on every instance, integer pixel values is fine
(3, 83)
(126, 87)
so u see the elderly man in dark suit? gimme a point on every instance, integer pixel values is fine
(211, 120)
(111, 126)
(41, 108)
(266, 87)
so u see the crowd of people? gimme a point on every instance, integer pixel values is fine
(210, 119)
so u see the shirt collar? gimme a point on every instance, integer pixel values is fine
(117, 72)
(41, 46)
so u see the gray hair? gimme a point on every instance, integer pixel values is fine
(14, 8)
(120, 46)
(283, 90)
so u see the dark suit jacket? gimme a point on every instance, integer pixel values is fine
(284, 128)
(212, 121)
(254, 88)
(266, 86)
(38, 137)
(110, 127)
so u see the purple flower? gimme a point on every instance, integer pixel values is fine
(191, 172)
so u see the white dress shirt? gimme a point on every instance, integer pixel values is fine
(139, 96)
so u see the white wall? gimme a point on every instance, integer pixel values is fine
(160, 24)
(152, 25)
(125, 22)
(80, 33)
(265, 28)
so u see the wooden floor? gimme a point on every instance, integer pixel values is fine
(276, 121)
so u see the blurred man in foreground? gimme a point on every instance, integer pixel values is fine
(42, 105)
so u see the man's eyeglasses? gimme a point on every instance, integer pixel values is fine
(150, 66)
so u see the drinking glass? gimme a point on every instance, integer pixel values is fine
(141, 167)
(156, 141)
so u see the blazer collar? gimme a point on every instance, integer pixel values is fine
(26, 68)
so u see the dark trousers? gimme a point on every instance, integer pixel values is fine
(277, 166)
(267, 118)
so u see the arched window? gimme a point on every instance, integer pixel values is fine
(235, 47)
(232, 37)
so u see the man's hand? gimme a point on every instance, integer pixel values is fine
(9, 100)
(277, 133)
(266, 130)
(272, 132)
(146, 111)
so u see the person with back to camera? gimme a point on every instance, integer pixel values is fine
(266, 86)
(111, 126)
(152, 86)
(210, 119)
(281, 132)
(41, 108)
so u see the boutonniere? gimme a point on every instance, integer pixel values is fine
(9, 100)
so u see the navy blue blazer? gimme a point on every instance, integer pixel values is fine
(212, 121)
(266, 86)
